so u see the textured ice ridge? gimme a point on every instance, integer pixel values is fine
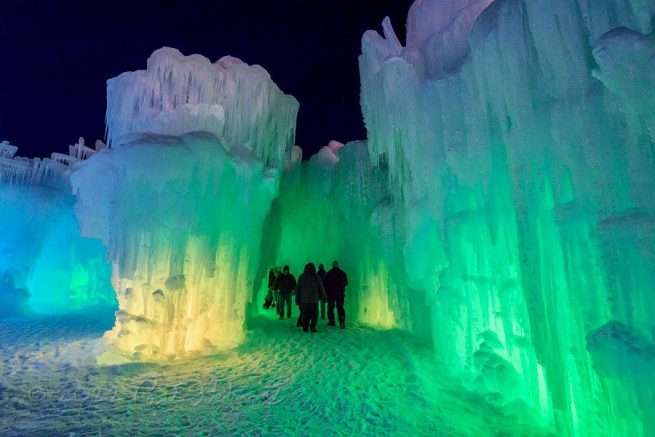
(177, 94)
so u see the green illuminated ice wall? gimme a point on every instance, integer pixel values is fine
(521, 140)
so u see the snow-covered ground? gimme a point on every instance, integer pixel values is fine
(280, 382)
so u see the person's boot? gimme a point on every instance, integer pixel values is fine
(342, 324)
(331, 323)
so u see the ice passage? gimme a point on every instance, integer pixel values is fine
(497, 226)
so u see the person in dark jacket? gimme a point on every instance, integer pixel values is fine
(271, 278)
(285, 285)
(270, 299)
(308, 292)
(323, 302)
(336, 282)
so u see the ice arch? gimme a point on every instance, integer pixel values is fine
(192, 220)
(187, 218)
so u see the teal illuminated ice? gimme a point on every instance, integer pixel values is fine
(499, 220)
(46, 267)
(537, 181)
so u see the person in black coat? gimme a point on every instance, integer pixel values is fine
(336, 282)
(308, 293)
(271, 296)
(285, 285)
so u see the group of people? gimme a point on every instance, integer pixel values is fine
(313, 290)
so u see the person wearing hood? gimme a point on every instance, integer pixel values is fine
(285, 285)
(309, 292)
(336, 282)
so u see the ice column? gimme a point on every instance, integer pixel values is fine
(180, 197)
(522, 143)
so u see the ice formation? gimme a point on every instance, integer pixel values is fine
(180, 197)
(45, 266)
(177, 94)
(181, 218)
(525, 151)
(501, 208)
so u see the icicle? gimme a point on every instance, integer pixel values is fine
(178, 94)
(518, 141)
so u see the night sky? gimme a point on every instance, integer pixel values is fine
(55, 58)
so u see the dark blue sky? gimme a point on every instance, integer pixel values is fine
(55, 57)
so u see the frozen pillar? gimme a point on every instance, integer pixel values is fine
(181, 214)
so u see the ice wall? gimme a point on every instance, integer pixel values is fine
(181, 218)
(176, 94)
(45, 266)
(519, 137)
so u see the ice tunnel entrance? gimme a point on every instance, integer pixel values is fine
(201, 156)
(337, 207)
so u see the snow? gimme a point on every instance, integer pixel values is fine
(172, 209)
(439, 30)
(280, 381)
